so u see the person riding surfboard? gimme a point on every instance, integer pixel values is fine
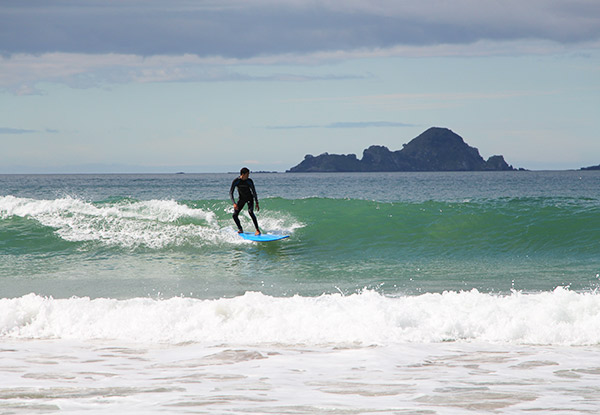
(246, 194)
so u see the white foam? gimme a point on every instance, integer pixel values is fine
(561, 317)
(270, 221)
(128, 224)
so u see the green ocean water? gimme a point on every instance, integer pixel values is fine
(127, 236)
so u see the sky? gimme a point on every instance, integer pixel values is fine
(95, 86)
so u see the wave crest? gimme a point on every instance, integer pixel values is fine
(130, 224)
(560, 317)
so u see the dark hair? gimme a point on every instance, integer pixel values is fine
(244, 170)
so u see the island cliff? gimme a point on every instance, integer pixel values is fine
(437, 149)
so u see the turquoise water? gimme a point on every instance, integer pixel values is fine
(125, 236)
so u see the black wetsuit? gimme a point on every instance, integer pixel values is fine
(247, 194)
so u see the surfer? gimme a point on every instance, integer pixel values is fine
(246, 194)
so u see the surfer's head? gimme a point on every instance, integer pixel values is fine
(244, 173)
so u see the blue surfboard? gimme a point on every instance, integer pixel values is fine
(263, 237)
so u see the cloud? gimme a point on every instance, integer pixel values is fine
(98, 43)
(6, 130)
(367, 124)
(21, 72)
(358, 124)
(246, 29)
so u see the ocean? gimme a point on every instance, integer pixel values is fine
(399, 293)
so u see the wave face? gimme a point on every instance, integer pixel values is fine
(560, 317)
(342, 245)
(522, 226)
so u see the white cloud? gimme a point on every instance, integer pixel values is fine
(21, 72)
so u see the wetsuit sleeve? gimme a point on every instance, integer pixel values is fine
(253, 189)
(233, 185)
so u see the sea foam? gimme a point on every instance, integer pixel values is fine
(153, 224)
(560, 317)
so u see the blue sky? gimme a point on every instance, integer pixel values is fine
(209, 86)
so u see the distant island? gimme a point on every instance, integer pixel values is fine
(591, 168)
(437, 149)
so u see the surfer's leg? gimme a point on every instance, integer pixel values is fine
(253, 217)
(236, 215)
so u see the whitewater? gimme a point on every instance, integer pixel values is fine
(407, 293)
(561, 317)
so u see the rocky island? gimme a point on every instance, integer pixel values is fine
(437, 149)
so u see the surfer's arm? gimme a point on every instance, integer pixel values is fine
(233, 184)
(253, 190)
(254, 194)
